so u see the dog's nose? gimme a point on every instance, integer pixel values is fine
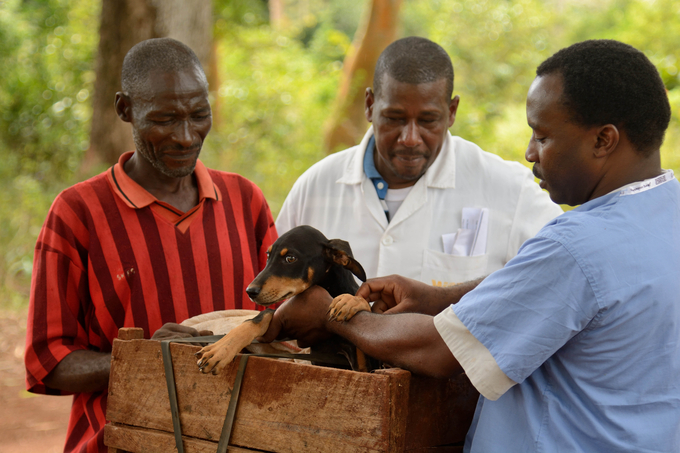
(253, 291)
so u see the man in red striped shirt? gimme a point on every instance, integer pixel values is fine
(152, 241)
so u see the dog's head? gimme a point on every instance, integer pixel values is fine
(300, 258)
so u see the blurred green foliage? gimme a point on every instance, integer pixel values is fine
(495, 47)
(275, 87)
(275, 90)
(46, 79)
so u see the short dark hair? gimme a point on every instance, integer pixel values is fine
(609, 82)
(414, 60)
(158, 54)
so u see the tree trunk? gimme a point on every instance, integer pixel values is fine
(124, 23)
(378, 29)
(277, 16)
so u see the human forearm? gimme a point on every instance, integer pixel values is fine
(453, 294)
(81, 371)
(439, 299)
(407, 340)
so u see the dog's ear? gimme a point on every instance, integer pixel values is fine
(340, 252)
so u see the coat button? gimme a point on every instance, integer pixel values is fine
(387, 240)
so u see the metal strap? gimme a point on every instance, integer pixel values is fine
(172, 393)
(231, 410)
(327, 359)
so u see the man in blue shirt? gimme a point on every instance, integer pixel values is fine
(575, 343)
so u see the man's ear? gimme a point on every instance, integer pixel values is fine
(606, 140)
(453, 108)
(370, 100)
(123, 105)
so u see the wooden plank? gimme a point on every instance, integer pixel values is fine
(398, 406)
(283, 407)
(130, 333)
(440, 411)
(116, 450)
(127, 439)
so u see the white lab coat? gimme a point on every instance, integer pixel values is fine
(336, 197)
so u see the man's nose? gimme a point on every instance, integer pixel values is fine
(410, 135)
(184, 134)
(531, 155)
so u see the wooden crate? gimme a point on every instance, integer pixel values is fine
(283, 406)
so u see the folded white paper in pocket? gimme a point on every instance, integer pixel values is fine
(470, 239)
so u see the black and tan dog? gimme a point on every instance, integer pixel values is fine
(301, 258)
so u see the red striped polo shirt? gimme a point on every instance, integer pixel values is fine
(111, 255)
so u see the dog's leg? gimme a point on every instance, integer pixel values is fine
(345, 306)
(215, 357)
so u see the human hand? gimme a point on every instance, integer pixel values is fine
(303, 317)
(172, 331)
(397, 294)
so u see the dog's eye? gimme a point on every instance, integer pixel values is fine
(290, 259)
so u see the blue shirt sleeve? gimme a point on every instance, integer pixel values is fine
(528, 310)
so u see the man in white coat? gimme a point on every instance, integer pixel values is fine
(412, 199)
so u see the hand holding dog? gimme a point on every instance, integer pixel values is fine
(397, 294)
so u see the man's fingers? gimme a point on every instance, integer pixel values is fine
(382, 307)
(399, 308)
(373, 288)
(379, 306)
(167, 335)
(171, 330)
(364, 291)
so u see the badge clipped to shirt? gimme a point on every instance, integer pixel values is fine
(470, 239)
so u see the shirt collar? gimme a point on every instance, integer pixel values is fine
(372, 172)
(638, 186)
(135, 196)
(642, 186)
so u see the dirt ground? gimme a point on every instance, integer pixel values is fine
(28, 423)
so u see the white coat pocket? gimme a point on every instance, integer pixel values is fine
(441, 269)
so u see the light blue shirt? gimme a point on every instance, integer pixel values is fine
(586, 318)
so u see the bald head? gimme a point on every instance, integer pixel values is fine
(414, 60)
(163, 55)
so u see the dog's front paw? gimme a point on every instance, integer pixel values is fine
(345, 306)
(215, 357)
